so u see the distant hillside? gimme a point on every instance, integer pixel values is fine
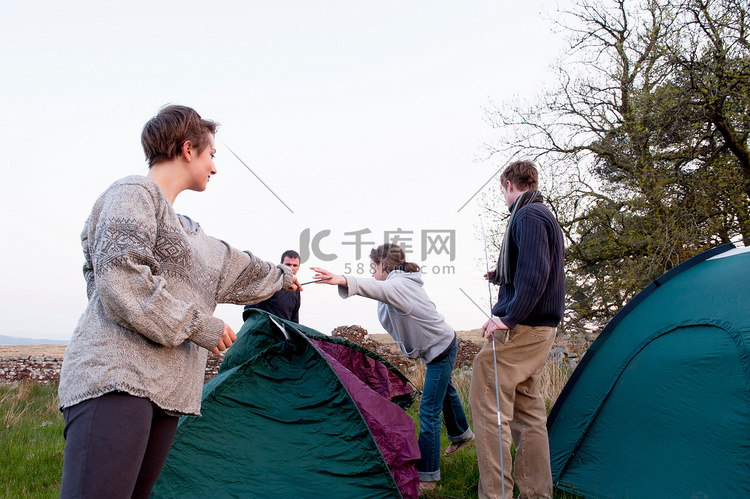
(17, 340)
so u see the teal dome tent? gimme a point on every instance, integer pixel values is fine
(660, 403)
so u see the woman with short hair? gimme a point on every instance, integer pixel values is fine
(137, 358)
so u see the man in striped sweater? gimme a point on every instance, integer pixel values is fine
(530, 273)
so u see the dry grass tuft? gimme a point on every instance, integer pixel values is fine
(14, 400)
(416, 374)
(554, 377)
(553, 380)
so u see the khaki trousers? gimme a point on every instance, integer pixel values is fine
(520, 361)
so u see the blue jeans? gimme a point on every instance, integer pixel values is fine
(439, 395)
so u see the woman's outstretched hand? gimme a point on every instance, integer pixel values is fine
(226, 339)
(338, 280)
(296, 286)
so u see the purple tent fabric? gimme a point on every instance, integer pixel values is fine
(392, 428)
(376, 375)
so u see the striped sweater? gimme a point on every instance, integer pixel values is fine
(536, 295)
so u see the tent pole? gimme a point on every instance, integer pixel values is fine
(494, 360)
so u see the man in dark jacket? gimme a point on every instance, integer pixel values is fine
(285, 305)
(530, 273)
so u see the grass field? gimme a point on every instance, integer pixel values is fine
(31, 441)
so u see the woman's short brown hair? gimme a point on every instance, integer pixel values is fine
(393, 258)
(164, 135)
(522, 174)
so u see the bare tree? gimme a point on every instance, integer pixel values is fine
(643, 142)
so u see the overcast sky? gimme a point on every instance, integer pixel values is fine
(360, 117)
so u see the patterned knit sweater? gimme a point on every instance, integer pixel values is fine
(153, 281)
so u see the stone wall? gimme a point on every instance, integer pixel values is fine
(40, 368)
(46, 368)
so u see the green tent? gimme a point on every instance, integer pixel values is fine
(294, 413)
(660, 404)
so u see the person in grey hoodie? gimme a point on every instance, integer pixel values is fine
(411, 318)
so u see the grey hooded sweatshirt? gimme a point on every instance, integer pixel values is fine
(406, 312)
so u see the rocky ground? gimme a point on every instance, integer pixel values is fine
(469, 344)
(41, 363)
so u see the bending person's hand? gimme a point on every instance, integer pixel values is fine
(226, 339)
(338, 280)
